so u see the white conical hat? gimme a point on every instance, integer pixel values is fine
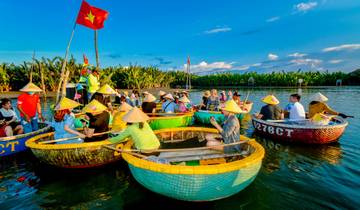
(318, 97)
(161, 93)
(169, 96)
(125, 107)
(135, 115)
(184, 99)
(30, 87)
(149, 98)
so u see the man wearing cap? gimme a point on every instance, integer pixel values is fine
(318, 105)
(93, 83)
(169, 105)
(271, 111)
(28, 105)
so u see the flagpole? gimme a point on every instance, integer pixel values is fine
(96, 49)
(64, 65)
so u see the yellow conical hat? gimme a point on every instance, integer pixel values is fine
(66, 103)
(125, 107)
(149, 98)
(270, 99)
(135, 115)
(231, 106)
(184, 99)
(30, 87)
(318, 97)
(94, 107)
(106, 89)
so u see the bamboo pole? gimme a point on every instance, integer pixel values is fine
(96, 48)
(32, 67)
(63, 92)
(42, 79)
(62, 77)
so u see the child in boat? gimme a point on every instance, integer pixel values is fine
(28, 106)
(149, 105)
(64, 122)
(139, 130)
(99, 118)
(182, 105)
(229, 131)
(271, 111)
(318, 105)
(8, 115)
(118, 123)
(213, 101)
(295, 108)
(169, 105)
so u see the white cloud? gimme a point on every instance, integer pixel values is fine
(336, 61)
(273, 19)
(297, 55)
(304, 7)
(247, 66)
(272, 57)
(342, 47)
(218, 30)
(204, 66)
(308, 61)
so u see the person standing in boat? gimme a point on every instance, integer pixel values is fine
(271, 111)
(229, 130)
(28, 105)
(149, 105)
(93, 83)
(169, 105)
(318, 106)
(98, 117)
(139, 130)
(64, 122)
(9, 118)
(295, 109)
(213, 102)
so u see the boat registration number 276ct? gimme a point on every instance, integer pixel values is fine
(273, 130)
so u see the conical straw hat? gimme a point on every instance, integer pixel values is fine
(30, 87)
(161, 93)
(66, 103)
(184, 99)
(94, 107)
(270, 99)
(207, 93)
(318, 97)
(231, 106)
(135, 115)
(106, 89)
(169, 96)
(145, 93)
(149, 98)
(125, 107)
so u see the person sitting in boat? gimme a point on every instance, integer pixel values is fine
(118, 123)
(205, 99)
(127, 98)
(236, 98)
(149, 105)
(222, 96)
(28, 105)
(9, 118)
(5, 130)
(64, 122)
(162, 96)
(229, 132)
(295, 108)
(318, 105)
(93, 82)
(169, 105)
(139, 130)
(182, 105)
(98, 117)
(184, 93)
(144, 94)
(177, 93)
(271, 111)
(213, 101)
(135, 98)
(103, 96)
(230, 95)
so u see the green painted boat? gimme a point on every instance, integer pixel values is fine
(196, 182)
(170, 120)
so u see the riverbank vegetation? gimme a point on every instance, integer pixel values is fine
(13, 77)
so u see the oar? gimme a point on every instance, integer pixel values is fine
(247, 96)
(75, 137)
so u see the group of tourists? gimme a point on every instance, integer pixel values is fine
(318, 113)
(211, 101)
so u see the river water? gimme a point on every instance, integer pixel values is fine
(292, 176)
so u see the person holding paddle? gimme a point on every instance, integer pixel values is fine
(318, 106)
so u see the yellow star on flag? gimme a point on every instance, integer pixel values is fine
(90, 17)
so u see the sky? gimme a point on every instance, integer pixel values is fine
(219, 36)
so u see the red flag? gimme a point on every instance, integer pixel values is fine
(91, 17)
(86, 60)
(188, 60)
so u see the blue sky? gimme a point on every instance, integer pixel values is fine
(229, 35)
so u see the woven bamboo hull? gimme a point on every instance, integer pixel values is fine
(299, 134)
(180, 120)
(15, 144)
(84, 155)
(195, 183)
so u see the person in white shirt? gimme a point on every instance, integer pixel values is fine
(295, 108)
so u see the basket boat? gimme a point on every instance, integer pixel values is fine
(15, 144)
(196, 183)
(300, 133)
(173, 120)
(203, 117)
(82, 155)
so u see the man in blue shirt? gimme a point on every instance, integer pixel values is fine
(169, 105)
